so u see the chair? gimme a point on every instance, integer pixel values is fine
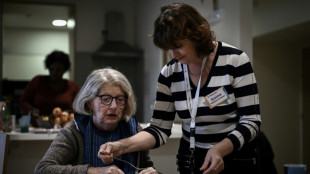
(4, 150)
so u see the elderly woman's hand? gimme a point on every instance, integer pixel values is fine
(105, 170)
(109, 150)
(149, 170)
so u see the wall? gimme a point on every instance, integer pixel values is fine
(270, 16)
(277, 51)
(28, 48)
(279, 87)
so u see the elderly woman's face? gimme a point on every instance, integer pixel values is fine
(106, 116)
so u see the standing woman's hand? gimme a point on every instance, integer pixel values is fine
(213, 163)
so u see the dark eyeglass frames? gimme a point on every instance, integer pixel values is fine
(107, 100)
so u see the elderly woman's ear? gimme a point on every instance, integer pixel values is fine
(89, 107)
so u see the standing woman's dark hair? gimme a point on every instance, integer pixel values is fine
(57, 56)
(179, 21)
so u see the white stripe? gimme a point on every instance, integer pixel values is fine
(161, 123)
(164, 106)
(233, 60)
(212, 129)
(253, 131)
(244, 80)
(180, 105)
(216, 118)
(220, 80)
(239, 136)
(247, 100)
(245, 119)
(168, 70)
(224, 44)
(178, 86)
(163, 89)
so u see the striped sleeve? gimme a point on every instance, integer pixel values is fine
(164, 110)
(247, 99)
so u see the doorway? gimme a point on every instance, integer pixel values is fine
(306, 106)
(27, 37)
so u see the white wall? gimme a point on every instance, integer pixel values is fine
(27, 49)
(90, 21)
(274, 15)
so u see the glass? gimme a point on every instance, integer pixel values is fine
(107, 99)
(24, 123)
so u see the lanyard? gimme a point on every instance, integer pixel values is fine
(192, 105)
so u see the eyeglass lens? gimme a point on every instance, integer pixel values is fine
(107, 99)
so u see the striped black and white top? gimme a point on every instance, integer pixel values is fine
(238, 118)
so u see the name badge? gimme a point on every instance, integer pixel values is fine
(216, 97)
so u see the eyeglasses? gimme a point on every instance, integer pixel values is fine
(107, 99)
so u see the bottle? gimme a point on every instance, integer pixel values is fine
(13, 123)
(7, 118)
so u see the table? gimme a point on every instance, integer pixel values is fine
(33, 135)
(26, 149)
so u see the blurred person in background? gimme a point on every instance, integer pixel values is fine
(44, 93)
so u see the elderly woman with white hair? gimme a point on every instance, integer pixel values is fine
(104, 109)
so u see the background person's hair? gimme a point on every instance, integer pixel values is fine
(95, 81)
(57, 56)
(179, 21)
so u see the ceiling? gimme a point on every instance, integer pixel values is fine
(25, 15)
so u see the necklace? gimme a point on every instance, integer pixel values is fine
(194, 74)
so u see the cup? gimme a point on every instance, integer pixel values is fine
(295, 168)
(24, 123)
(24, 128)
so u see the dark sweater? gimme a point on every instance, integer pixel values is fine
(66, 153)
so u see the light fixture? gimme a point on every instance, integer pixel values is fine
(59, 22)
(71, 23)
(216, 15)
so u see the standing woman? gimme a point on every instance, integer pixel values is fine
(212, 87)
(46, 92)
